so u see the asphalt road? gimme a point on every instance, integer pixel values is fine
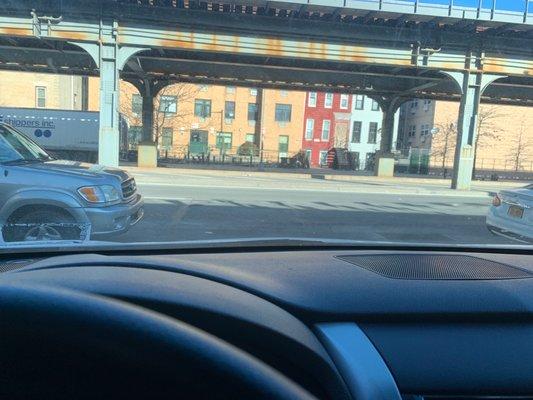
(210, 206)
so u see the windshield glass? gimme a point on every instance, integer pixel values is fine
(14, 146)
(179, 123)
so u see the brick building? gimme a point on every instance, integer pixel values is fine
(197, 120)
(327, 119)
(33, 90)
(505, 134)
(343, 121)
(188, 118)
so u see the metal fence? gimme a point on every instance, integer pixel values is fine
(230, 155)
(518, 11)
(490, 164)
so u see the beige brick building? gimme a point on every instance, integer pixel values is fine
(32, 90)
(218, 119)
(193, 120)
(505, 137)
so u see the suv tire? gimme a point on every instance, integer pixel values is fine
(41, 225)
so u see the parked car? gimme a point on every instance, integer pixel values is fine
(511, 214)
(46, 199)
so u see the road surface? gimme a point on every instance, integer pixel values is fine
(199, 206)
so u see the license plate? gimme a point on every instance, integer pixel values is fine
(516, 212)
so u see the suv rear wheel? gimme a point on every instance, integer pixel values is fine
(41, 225)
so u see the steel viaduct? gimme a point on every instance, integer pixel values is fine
(390, 50)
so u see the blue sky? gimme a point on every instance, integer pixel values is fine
(512, 5)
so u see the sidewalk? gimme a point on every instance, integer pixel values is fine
(312, 181)
(315, 173)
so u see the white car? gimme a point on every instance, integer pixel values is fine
(511, 214)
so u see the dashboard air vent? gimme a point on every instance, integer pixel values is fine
(436, 267)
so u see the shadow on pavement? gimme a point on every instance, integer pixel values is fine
(177, 221)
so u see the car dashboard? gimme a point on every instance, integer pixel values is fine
(365, 324)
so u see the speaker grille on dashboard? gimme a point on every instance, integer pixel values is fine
(6, 266)
(436, 267)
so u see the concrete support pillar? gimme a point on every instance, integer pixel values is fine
(148, 115)
(384, 158)
(472, 85)
(147, 149)
(110, 58)
(108, 138)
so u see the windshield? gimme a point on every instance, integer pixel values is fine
(14, 146)
(192, 123)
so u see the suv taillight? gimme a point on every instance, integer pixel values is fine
(496, 201)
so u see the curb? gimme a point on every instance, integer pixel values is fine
(440, 186)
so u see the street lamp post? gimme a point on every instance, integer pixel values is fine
(261, 142)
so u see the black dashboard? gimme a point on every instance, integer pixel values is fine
(342, 324)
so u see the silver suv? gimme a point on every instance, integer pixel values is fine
(46, 199)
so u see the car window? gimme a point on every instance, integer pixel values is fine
(371, 123)
(14, 145)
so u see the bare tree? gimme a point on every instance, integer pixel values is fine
(168, 111)
(164, 114)
(487, 130)
(443, 143)
(521, 144)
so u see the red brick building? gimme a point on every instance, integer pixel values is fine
(326, 124)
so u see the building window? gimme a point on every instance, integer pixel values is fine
(323, 157)
(411, 132)
(359, 103)
(372, 132)
(427, 104)
(356, 131)
(344, 101)
(283, 146)
(283, 93)
(230, 89)
(250, 137)
(253, 92)
(311, 102)
(166, 138)
(252, 112)
(375, 105)
(309, 128)
(134, 136)
(202, 108)
(283, 112)
(40, 97)
(328, 100)
(414, 106)
(425, 130)
(137, 104)
(229, 110)
(326, 128)
(168, 104)
(224, 141)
